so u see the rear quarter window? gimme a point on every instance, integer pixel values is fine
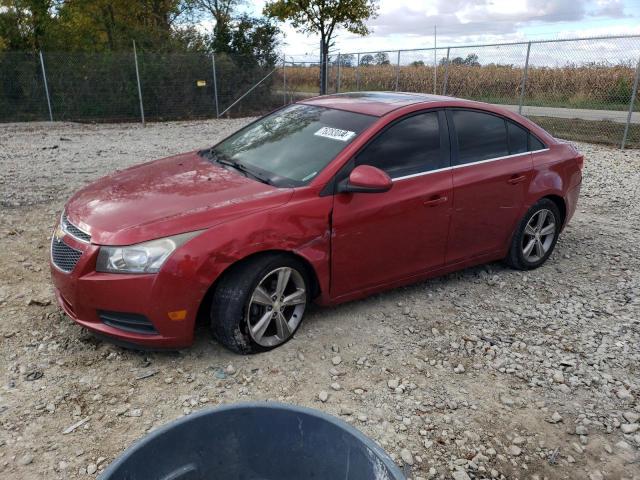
(535, 144)
(518, 138)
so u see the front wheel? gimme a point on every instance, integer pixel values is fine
(536, 236)
(260, 303)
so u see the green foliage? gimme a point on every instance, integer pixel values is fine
(621, 91)
(92, 25)
(382, 58)
(367, 60)
(346, 60)
(470, 61)
(309, 16)
(87, 47)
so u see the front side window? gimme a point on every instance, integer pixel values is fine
(291, 146)
(481, 136)
(412, 145)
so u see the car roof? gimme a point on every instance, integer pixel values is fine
(376, 103)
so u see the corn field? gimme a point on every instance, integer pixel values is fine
(578, 89)
(592, 86)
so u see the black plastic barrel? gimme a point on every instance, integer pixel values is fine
(255, 441)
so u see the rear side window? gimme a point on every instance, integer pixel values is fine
(480, 136)
(535, 144)
(518, 138)
(412, 145)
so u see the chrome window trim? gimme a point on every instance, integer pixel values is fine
(420, 174)
(453, 167)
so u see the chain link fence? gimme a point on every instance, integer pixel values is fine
(133, 86)
(580, 89)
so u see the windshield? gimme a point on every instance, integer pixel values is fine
(291, 146)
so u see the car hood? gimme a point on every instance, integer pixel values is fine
(166, 197)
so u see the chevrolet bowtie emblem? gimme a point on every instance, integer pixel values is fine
(58, 234)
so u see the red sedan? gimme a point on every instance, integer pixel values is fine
(327, 200)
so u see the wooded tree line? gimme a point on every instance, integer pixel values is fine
(87, 49)
(155, 25)
(87, 52)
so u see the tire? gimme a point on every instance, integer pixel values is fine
(525, 233)
(239, 311)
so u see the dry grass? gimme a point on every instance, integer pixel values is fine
(594, 86)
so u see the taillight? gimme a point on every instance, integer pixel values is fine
(580, 161)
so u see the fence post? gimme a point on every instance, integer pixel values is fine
(215, 84)
(326, 74)
(284, 79)
(446, 73)
(339, 72)
(398, 70)
(524, 79)
(46, 86)
(631, 103)
(358, 74)
(135, 56)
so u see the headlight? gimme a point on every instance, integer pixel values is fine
(147, 257)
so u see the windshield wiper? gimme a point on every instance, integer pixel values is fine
(216, 157)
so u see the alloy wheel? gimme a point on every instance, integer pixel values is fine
(539, 234)
(276, 307)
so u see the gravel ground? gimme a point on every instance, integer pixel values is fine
(485, 373)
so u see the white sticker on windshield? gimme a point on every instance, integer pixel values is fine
(335, 134)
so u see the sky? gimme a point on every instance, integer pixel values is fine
(409, 24)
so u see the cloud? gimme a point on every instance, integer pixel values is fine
(409, 24)
(609, 8)
(469, 17)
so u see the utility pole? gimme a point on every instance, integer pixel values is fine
(435, 60)
(323, 69)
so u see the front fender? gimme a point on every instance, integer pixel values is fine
(302, 227)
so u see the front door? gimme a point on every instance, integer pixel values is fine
(379, 238)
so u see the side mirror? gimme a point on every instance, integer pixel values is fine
(365, 179)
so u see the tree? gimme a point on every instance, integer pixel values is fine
(255, 39)
(222, 12)
(381, 58)
(90, 25)
(367, 60)
(322, 18)
(470, 61)
(25, 24)
(345, 60)
(417, 63)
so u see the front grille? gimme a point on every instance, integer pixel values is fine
(74, 231)
(63, 256)
(130, 322)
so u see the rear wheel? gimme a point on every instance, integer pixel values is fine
(260, 303)
(536, 236)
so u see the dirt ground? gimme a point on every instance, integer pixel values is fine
(485, 373)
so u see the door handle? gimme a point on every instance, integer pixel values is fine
(432, 202)
(517, 179)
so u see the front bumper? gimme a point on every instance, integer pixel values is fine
(84, 293)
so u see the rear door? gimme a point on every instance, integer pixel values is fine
(492, 170)
(382, 237)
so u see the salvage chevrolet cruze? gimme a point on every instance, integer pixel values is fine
(326, 200)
